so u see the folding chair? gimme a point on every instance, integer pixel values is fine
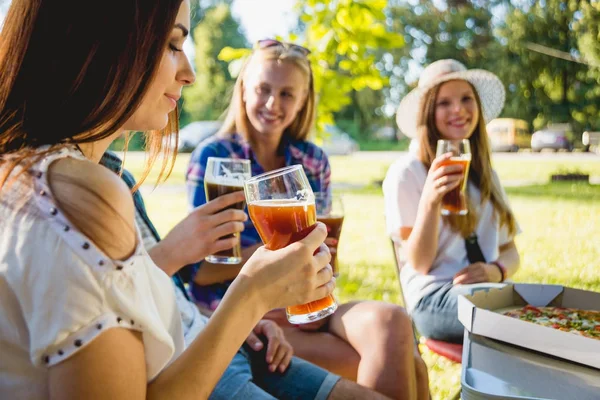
(450, 351)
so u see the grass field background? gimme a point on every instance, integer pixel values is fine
(560, 225)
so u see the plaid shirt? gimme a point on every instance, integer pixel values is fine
(310, 156)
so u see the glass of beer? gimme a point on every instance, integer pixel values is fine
(330, 211)
(455, 201)
(281, 205)
(223, 176)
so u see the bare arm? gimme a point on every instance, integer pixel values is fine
(488, 272)
(113, 365)
(509, 257)
(211, 273)
(200, 233)
(421, 241)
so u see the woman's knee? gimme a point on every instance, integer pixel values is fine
(388, 321)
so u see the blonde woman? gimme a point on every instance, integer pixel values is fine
(450, 102)
(269, 119)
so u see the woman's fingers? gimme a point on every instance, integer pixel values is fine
(254, 342)
(221, 202)
(324, 275)
(226, 229)
(315, 238)
(324, 290)
(224, 244)
(229, 215)
(287, 359)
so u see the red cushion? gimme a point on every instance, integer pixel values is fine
(451, 351)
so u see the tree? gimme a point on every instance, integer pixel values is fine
(345, 38)
(457, 29)
(550, 89)
(209, 96)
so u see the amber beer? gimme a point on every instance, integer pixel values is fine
(214, 190)
(334, 230)
(280, 223)
(455, 201)
(223, 176)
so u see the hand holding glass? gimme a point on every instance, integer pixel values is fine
(455, 202)
(223, 176)
(281, 205)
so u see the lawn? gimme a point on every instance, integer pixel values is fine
(559, 222)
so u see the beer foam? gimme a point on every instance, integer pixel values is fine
(236, 180)
(462, 157)
(282, 203)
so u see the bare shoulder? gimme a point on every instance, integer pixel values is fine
(97, 202)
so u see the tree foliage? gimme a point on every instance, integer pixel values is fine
(345, 38)
(498, 36)
(209, 96)
(547, 88)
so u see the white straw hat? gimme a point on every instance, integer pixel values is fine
(489, 88)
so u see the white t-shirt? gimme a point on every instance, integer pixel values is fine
(402, 189)
(58, 291)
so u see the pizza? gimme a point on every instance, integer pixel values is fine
(581, 322)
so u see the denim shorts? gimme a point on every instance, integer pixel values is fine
(436, 315)
(248, 377)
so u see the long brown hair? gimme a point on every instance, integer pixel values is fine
(75, 71)
(236, 119)
(480, 170)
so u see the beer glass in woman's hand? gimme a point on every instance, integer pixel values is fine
(281, 205)
(223, 176)
(455, 201)
(330, 211)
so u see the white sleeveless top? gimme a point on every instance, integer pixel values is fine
(58, 291)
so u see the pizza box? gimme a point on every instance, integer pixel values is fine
(495, 370)
(476, 313)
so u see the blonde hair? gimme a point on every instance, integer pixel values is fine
(480, 170)
(236, 119)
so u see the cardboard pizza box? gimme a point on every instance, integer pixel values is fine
(476, 314)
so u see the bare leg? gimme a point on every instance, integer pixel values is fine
(381, 334)
(370, 342)
(422, 377)
(347, 390)
(320, 348)
(325, 350)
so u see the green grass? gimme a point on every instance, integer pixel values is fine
(386, 145)
(558, 244)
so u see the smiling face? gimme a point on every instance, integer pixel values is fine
(173, 73)
(456, 110)
(274, 92)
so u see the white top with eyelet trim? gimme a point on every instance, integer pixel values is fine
(58, 291)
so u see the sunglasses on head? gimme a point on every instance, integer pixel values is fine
(266, 43)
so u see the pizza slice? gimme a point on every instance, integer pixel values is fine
(581, 322)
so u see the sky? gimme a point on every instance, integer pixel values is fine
(259, 18)
(262, 19)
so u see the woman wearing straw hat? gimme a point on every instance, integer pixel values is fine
(456, 254)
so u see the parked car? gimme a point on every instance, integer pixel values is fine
(385, 133)
(337, 142)
(552, 138)
(508, 134)
(591, 141)
(195, 132)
